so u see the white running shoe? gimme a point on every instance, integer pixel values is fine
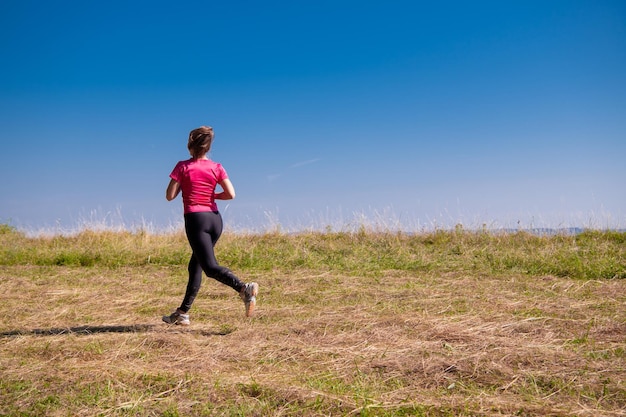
(248, 295)
(177, 318)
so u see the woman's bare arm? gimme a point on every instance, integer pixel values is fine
(229, 190)
(172, 190)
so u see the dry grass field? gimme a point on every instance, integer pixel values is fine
(451, 323)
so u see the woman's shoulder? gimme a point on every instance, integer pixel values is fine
(212, 163)
(204, 163)
(218, 169)
(184, 161)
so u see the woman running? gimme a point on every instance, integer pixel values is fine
(198, 178)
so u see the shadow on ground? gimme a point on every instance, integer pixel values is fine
(135, 328)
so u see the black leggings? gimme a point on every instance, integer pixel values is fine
(203, 230)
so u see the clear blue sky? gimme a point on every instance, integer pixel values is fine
(400, 112)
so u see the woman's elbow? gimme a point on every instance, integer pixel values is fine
(171, 194)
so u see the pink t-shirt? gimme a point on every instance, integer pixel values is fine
(198, 179)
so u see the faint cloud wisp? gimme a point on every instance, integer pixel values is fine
(274, 177)
(303, 163)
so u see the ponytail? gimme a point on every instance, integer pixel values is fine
(200, 141)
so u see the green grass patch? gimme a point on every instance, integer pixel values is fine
(589, 255)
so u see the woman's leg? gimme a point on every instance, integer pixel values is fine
(193, 285)
(203, 231)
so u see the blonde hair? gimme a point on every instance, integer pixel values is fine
(200, 141)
